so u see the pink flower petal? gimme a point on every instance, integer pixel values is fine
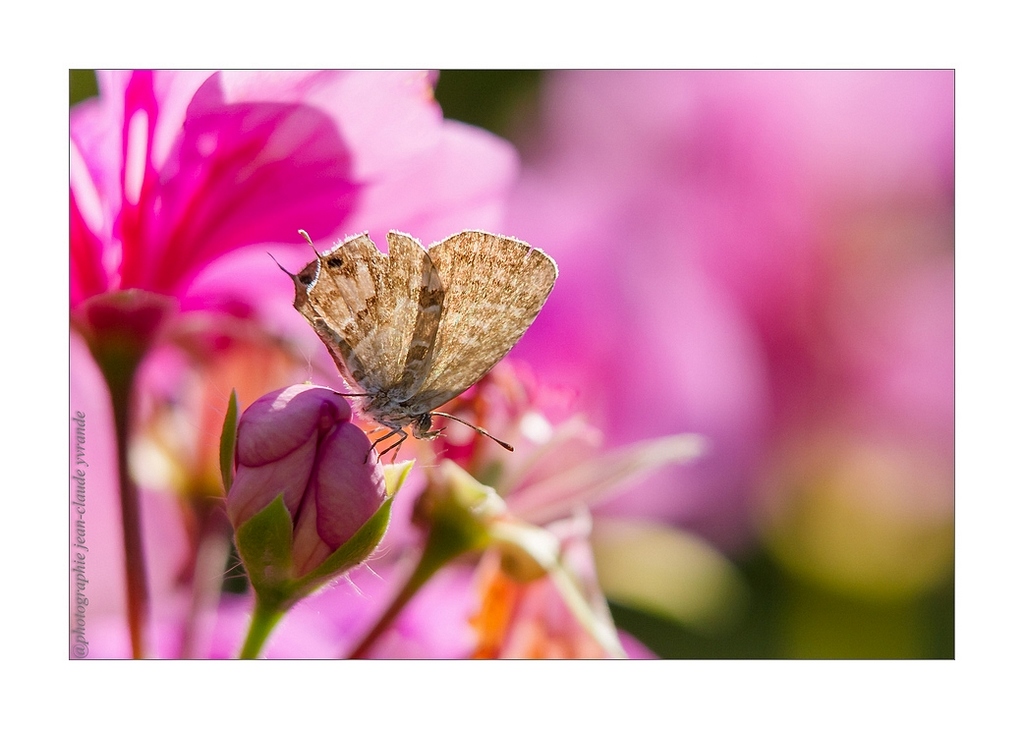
(349, 484)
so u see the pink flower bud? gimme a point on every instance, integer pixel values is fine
(300, 443)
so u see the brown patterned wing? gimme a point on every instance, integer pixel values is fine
(494, 288)
(378, 314)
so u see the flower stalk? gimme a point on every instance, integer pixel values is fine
(265, 617)
(450, 536)
(137, 592)
(120, 328)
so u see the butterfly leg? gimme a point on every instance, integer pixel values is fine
(396, 444)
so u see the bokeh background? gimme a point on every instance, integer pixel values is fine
(765, 258)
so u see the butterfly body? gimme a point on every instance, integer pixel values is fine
(413, 329)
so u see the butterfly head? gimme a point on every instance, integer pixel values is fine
(421, 427)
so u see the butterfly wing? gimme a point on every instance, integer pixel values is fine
(378, 314)
(494, 287)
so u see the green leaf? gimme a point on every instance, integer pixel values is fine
(670, 573)
(352, 552)
(265, 545)
(227, 442)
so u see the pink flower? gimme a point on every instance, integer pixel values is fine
(537, 592)
(172, 170)
(180, 184)
(189, 166)
(176, 176)
(562, 614)
(300, 444)
(464, 610)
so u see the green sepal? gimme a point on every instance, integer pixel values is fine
(395, 475)
(227, 442)
(460, 511)
(265, 546)
(351, 553)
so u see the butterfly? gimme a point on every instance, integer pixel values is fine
(413, 329)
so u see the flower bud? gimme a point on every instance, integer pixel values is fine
(300, 446)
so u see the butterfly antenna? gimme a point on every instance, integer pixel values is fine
(481, 431)
(279, 265)
(309, 240)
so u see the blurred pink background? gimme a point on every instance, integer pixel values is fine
(765, 258)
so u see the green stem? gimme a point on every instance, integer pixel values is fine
(444, 544)
(264, 618)
(425, 569)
